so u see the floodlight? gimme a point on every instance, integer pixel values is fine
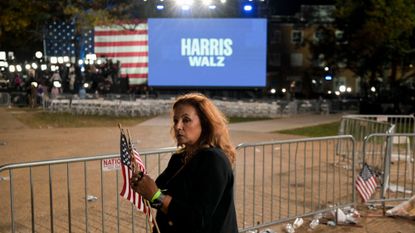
(247, 7)
(57, 84)
(34, 65)
(19, 68)
(53, 60)
(43, 67)
(2, 55)
(38, 55)
(160, 7)
(27, 66)
(12, 68)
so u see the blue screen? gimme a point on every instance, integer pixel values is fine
(207, 52)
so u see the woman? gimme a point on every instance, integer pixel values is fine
(195, 192)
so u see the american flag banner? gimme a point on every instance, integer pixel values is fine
(123, 42)
(366, 183)
(59, 38)
(127, 43)
(127, 152)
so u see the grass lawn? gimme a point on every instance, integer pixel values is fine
(322, 130)
(37, 118)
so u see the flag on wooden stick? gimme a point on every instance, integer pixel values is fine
(130, 163)
(366, 183)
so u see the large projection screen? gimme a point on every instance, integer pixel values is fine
(207, 52)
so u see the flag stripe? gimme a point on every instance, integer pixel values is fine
(130, 60)
(137, 81)
(122, 49)
(121, 32)
(123, 38)
(122, 54)
(135, 76)
(132, 71)
(121, 43)
(138, 64)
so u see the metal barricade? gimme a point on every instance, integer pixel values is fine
(282, 180)
(5, 99)
(274, 182)
(403, 123)
(359, 126)
(72, 195)
(394, 164)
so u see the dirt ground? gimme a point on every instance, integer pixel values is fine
(18, 143)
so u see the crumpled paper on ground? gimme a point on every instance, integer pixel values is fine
(404, 209)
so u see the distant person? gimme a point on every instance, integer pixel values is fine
(195, 192)
(82, 92)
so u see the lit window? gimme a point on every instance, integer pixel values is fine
(296, 37)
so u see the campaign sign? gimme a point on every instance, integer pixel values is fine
(111, 164)
(207, 52)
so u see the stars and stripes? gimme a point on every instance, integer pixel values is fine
(127, 153)
(366, 183)
(123, 42)
(60, 38)
(127, 43)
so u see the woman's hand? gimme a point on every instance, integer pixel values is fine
(144, 185)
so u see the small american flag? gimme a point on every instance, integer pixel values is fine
(127, 168)
(366, 183)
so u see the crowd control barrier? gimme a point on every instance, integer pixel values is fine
(275, 182)
(391, 157)
(72, 195)
(282, 180)
(360, 126)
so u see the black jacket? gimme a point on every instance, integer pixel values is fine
(202, 194)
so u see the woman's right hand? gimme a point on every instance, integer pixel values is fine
(144, 185)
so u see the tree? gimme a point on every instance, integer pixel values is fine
(22, 22)
(377, 38)
(378, 34)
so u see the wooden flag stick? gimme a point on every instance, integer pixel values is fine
(134, 165)
(135, 170)
(147, 203)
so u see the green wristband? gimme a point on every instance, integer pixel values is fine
(155, 196)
